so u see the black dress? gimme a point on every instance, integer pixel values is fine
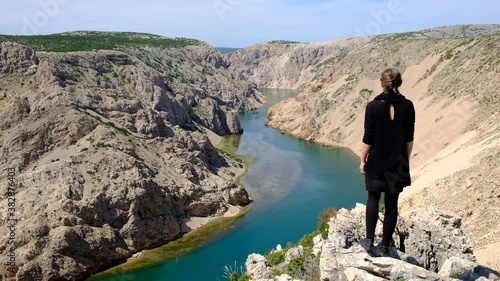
(387, 167)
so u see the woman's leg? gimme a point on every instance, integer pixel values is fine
(372, 213)
(390, 217)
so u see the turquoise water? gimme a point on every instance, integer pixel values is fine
(292, 182)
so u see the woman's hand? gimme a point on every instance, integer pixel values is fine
(362, 167)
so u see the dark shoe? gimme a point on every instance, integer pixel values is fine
(385, 251)
(367, 244)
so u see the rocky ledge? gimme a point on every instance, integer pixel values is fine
(428, 245)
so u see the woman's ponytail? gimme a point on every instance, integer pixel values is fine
(391, 80)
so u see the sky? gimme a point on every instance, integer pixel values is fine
(241, 23)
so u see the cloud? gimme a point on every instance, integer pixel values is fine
(243, 22)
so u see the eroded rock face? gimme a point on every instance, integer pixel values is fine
(17, 58)
(438, 233)
(110, 152)
(432, 236)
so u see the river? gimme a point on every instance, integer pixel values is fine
(292, 182)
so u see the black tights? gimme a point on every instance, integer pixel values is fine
(390, 216)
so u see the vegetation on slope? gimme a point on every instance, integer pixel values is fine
(89, 41)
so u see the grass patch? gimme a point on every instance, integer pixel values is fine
(350, 78)
(228, 146)
(381, 208)
(89, 41)
(121, 130)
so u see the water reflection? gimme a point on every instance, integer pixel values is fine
(257, 141)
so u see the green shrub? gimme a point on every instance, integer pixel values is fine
(234, 276)
(276, 257)
(245, 278)
(323, 228)
(449, 54)
(350, 78)
(307, 240)
(324, 218)
(89, 41)
(457, 274)
(295, 268)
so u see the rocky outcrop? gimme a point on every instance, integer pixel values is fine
(110, 152)
(284, 64)
(16, 58)
(430, 246)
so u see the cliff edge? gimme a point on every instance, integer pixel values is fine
(428, 245)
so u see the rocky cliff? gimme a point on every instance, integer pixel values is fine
(107, 149)
(429, 245)
(452, 76)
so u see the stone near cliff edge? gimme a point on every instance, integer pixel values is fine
(293, 253)
(286, 277)
(432, 236)
(279, 248)
(258, 267)
(466, 270)
(356, 274)
(328, 264)
(317, 244)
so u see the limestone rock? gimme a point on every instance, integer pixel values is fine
(293, 253)
(318, 244)
(432, 236)
(286, 277)
(258, 267)
(466, 270)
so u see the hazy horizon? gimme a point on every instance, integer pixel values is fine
(242, 23)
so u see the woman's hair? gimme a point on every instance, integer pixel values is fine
(391, 80)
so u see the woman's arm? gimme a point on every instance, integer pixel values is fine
(368, 137)
(365, 149)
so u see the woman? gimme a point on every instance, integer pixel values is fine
(385, 153)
